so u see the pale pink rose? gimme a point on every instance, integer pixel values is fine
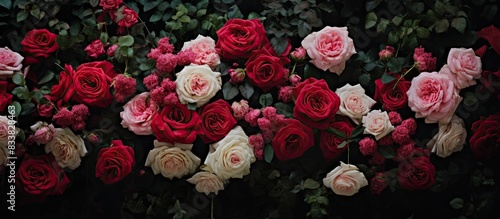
(204, 48)
(172, 161)
(9, 62)
(67, 148)
(197, 84)
(294, 79)
(463, 67)
(329, 48)
(345, 180)
(111, 50)
(299, 54)
(354, 103)
(450, 138)
(138, 113)
(240, 109)
(95, 49)
(377, 123)
(207, 182)
(433, 96)
(43, 132)
(386, 53)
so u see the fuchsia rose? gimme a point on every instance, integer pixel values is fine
(9, 62)
(110, 4)
(38, 44)
(329, 48)
(433, 96)
(138, 113)
(239, 37)
(91, 83)
(266, 70)
(204, 48)
(41, 176)
(129, 17)
(95, 49)
(463, 67)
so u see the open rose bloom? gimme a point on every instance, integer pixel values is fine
(9, 62)
(345, 180)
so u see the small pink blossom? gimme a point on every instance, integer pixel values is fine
(111, 50)
(151, 81)
(63, 117)
(124, 86)
(386, 141)
(264, 124)
(165, 46)
(285, 94)
(251, 117)
(185, 57)
(168, 85)
(410, 124)
(269, 112)
(95, 49)
(43, 132)
(166, 62)
(171, 98)
(240, 109)
(377, 159)
(404, 152)
(401, 135)
(386, 53)
(299, 54)
(294, 79)
(425, 61)
(394, 117)
(155, 53)
(367, 146)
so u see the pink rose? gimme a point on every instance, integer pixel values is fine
(329, 48)
(463, 67)
(237, 75)
(299, 54)
(95, 49)
(45, 109)
(111, 50)
(240, 109)
(204, 48)
(43, 132)
(433, 96)
(377, 123)
(386, 53)
(129, 17)
(138, 113)
(9, 62)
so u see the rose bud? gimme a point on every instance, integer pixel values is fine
(299, 54)
(237, 75)
(386, 53)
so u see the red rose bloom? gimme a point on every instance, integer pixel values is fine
(38, 44)
(5, 98)
(266, 70)
(92, 82)
(129, 18)
(378, 183)
(485, 142)
(62, 92)
(328, 142)
(41, 176)
(238, 37)
(216, 121)
(392, 99)
(416, 174)
(176, 124)
(491, 81)
(110, 4)
(292, 140)
(115, 162)
(315, 104)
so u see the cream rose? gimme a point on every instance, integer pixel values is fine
(4, 130)
(345, 180)
(354, 103)
(197, 84)
(172, 161)
(377, 123)
(231, 157)
(463, 66)
(9, 62)
(207, 182)
(138, 113)
(450, 138)
(204, 48)
(67, 148)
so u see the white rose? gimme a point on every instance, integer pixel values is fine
(197, 84)
(204, 48)
(345, 180)
(172, 161)
(377, 123)
(232, 156)
(207, 182)
(67, 148)
(354, 103)
(450, 138)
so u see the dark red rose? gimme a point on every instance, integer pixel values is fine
(41, 176)
(92, 83)
(5, 98)
(378, 183)
(392, 99)
(491, 81)
(292, 140)
(239, 37)
(176, 124)
(110, 4)
(417, 173)
(266, 70)
(38, 44)
(62, 92)
(216, 121)
(328, 142)
(315, 104)
(114, 162)
(486, 139)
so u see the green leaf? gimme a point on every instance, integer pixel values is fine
(394, 65)
(372, 5)
(457, 203)
(185, 19)
(253, 15)
(364, 80)
(229, 91)
(382, 25)
(234, 12)
(27, 109)
(21, 92)
(336, 132)
(279, 44)
(150, 5)
(104, 38)
(311, 71)
(386, 78)
(148, 64)
(192, 106)
(268, 153)
(47, 77)
(371, 20)
(201, 12)
(126, 40)
(387, 152)
(304, 28)
(266, 99)
(21, 16)
(18, 79)
(246, 90)
(17, 107)
(94, 3)
(459, 24)
(441, 26)
(393, 38)
(357, 131)
(422, 32)
(283, 108)
(342, 144)
(397, 20)
(310, 184)
(158, 15)
(6, 4)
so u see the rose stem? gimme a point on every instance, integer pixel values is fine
(402, 76)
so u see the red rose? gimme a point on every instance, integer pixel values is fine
(38, 44)
(486, 139)
(315, 104)
(92, 82)
(328, 142)
(45, 109)
(392, 99)
(114, 163)
(41, 176)
(265, 70)
(176, 124)
(292, 140)
(5, 98)
(238, 37)
(378, 183)
(128, 17)
(491, 81)
(416, 174)
(110, 4)
(62, 92)
(216, 121)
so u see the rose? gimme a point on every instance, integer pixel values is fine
(329, 142)
(111, 50)
(216, 121)
(329, 48)
(41, 176)
(463, 66)
(485, 142)
(39, 44)
(240, 109)
(172, 161)
(114, 162)
(266, 70)
(315, 104)
(44, 132)
(197, 84)
(207, 182)
(67, 148)
(128, 18)
(299, 54)
(378, 183)
(386, 53)
(110, 4)
(377, 123)
(95, 49)
(491, 81)
(424, 61)
(9, 62)
(239, 37)
(176, 124)
(449, 139)
(91, 83)
(5, 97)
(345, 180)
(392, 97)
(204, 48)
(292, 140)
(6, 130)
(230, 157)
(417, 174)
(62, 92)
(138, 113)
(354, 103)
(433, 96)
(237, 75)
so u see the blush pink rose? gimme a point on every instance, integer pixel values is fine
(9, 62)
(345, 180)
(111, 50)
(377, 123)
(95, 49)
(433, 96)
(204, 48)
(463, 67)
(240, 109)
(138, 113)
(329, 48)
